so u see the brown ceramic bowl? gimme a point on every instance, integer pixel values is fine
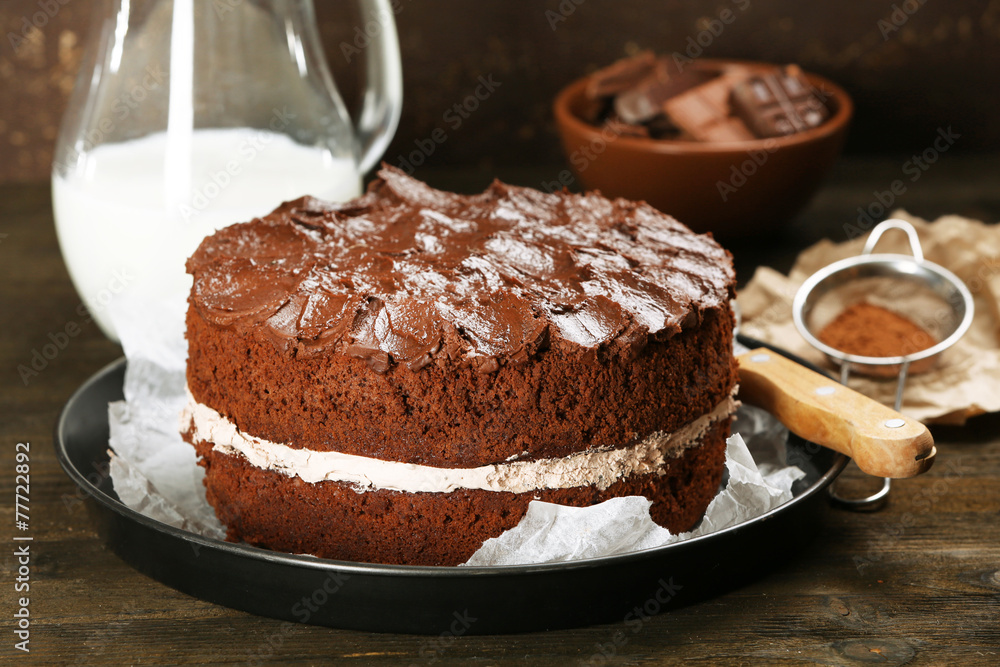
(731, 189)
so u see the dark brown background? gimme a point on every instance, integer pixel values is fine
(940, 68)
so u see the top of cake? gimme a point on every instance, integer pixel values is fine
(407, 274)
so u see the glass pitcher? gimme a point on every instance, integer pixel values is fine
(191, 115)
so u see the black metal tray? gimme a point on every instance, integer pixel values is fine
(432, 600)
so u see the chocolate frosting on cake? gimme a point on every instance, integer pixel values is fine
(405, 274)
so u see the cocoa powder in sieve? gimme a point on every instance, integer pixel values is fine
(868, 330)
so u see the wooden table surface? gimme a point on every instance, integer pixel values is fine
(915, 583)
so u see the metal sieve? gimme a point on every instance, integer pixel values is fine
(953, 321)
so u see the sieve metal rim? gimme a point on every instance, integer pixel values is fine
(806, 296)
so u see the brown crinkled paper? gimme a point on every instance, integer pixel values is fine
(965, 381)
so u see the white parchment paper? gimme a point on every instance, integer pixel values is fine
(155, 472)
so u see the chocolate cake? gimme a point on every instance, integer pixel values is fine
(393, 379)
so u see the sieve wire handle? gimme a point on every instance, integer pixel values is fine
(895, 223)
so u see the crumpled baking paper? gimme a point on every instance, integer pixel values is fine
(156, 473)
(153, 470)
(965, 381)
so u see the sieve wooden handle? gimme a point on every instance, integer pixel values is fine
(881, 441)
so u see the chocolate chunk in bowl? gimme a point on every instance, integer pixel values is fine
(731, 186)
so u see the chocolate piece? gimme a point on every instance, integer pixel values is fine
(596, 111)
(621, 76)
(779, 103)
(644, 102)
(703, 112)
(662, 102)
(623, 129)
(661, 127)
(635, 90)
(645, 99)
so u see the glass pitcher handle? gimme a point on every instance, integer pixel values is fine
(383, 98)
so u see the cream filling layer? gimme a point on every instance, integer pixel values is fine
(600, 468)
